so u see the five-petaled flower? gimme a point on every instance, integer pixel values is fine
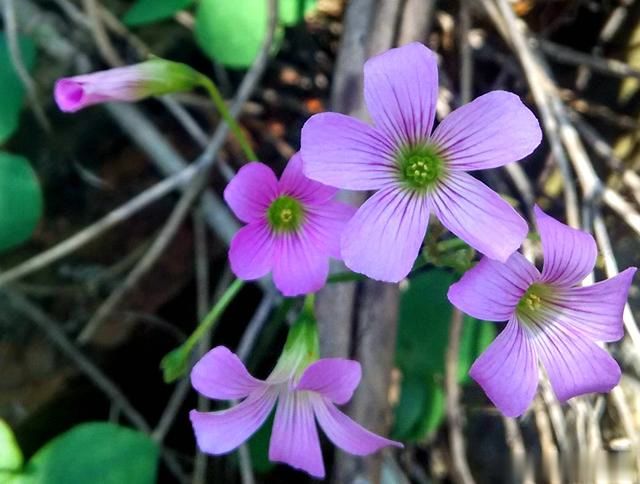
(550, 318)
(294, 226)
(416, 171)
(306, 389)
(131, 83)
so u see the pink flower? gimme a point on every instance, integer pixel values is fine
(552, 319)
(293, 227)
(305, 389)
(131, 83)
(415, 170)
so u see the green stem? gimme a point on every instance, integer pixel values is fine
(212, 317)
(221, 106)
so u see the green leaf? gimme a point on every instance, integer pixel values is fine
(12, 91)
(148, 11)
(259, 448)
(20, 200)
(10, 453)
(232, 32)
(95, 453)
(423, 336)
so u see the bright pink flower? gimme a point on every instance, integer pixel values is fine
(551, 319)
(293, 227)
(416, 170)
(306, 390)
(131, 83)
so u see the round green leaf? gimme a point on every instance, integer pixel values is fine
(95, 453)
(12, 91)
(10, 454)
(20, 200)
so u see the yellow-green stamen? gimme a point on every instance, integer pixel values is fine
(285, 214)
(420, 167)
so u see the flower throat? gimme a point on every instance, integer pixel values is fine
(285, 214)
(420, 167)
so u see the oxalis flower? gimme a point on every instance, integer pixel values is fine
(303, 387)
(128, 84)
(551, 319)
(416, 171)
(293, 227)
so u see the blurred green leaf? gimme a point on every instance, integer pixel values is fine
(12, 91)
(259, 448)
(232, 32)
(20, 200)
(95, 453)
(423, 335)
(10, 453)
(148, 11)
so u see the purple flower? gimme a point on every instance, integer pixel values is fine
(550, 317)
(132, 83)
(416, 171)
(293, 227)
(303, 390)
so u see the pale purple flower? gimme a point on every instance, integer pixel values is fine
(131, 83)
(304, 391)
(415, 171)
(293, 227)
(551, 319)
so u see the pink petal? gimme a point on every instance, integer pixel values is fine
(326, 224)
(508, 371)
(595, 311)
(334, 378)
(251, 191)
(294, 183)
(221, 432)
(251, 251)
(343, 152)
(401, 91)
(344, 432)
(221, 375)
(384, 237)
(301, 263)
(574, 364)
(479, 216)
(294, 439)
(569, 254)
(491, 290)
(492, 130)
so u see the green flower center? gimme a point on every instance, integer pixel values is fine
(285, 214)
(420, 167)
(532, 301)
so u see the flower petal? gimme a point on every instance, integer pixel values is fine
(250, 192)
(326, 224)
(344, 152)
(294, 439)
(479, 216)
(251, 251)
(344, 432)
(383, 238)
(221, 432)
(595, 311)
(492, 130)
(491, 290)
(301, 263)
(508, 371)
(334, 378)
(574, 364)
(221, 375)
(401, 91)
(569, 254)
(294, 182)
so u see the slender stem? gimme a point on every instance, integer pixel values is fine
(216, 311)
(221, 106)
